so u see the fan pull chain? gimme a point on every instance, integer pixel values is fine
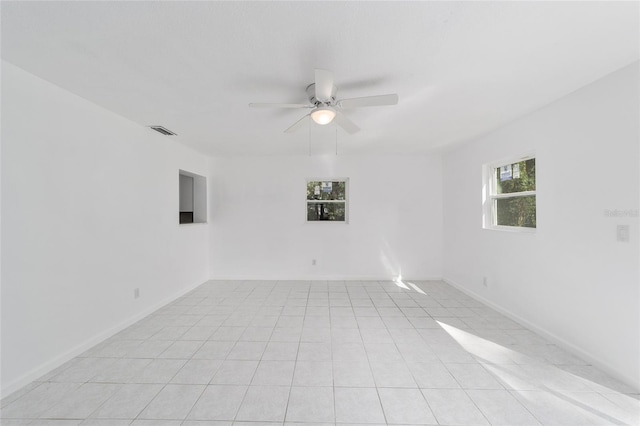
(309, 128)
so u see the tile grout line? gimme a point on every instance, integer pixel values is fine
(295, 366)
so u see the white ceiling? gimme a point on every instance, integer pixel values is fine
(461, 69)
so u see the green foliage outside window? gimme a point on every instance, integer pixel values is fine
(517, 211)
(330, 201)
(317, 190)
(525, 182)
(326, 211)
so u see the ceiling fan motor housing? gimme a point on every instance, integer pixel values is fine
(311, 93)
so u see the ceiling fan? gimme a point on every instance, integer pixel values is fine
(325, 108)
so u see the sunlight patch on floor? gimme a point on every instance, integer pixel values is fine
(532, 381)
(398, 281)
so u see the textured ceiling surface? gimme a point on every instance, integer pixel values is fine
(461, 69)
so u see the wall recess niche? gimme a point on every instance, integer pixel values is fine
(193, 198)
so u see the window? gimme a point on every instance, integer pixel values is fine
(327, 200)
(193, 198)
(511, 200)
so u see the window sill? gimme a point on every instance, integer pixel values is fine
(343, 222)
(193, 223)
(511, 229)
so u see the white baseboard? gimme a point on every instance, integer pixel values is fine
(563, 343)
(316, 278)
(48, 366)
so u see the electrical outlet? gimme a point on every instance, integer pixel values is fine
(485, 282)
(622, 233)
(313, 262)
(136, 293)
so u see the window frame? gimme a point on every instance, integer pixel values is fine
(346, 199)
(490, 195)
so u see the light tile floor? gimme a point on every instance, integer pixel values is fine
(248, 353)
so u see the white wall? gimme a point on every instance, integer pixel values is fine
(571, 279)
(258, 227)
(84, 190)
(89, 212)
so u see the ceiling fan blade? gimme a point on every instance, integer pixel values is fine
(267, 105)
(324, 85)
(295, 126)
(380, 100)
(348, 125)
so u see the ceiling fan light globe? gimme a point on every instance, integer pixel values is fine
(324, 115)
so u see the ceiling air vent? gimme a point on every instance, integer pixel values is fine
(162, 130)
